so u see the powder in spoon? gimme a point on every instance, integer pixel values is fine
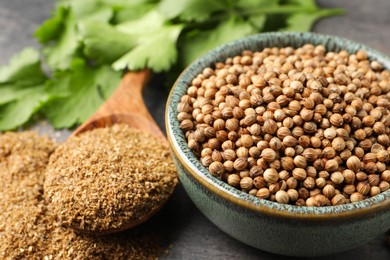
(29, 230)
(103, 180)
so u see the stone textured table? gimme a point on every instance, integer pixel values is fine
(193, 236)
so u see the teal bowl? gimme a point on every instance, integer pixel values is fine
(266, 225)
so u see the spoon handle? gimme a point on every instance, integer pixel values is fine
(126, 105)
(127, 98)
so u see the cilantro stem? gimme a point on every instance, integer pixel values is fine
(217, 17)
(287, 10)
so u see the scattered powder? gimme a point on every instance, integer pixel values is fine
(30, 230)
(103, 180)
(23, 158)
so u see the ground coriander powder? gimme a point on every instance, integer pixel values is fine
(23, 158)
(30, 230)
(101, 180)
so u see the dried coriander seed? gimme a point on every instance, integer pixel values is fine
(263, 193)
(233, 180)
(268, 154)
(246, 183)
(271, 175)
(282, 197)
(338, 199)
(353, 163)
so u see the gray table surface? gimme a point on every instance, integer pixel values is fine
(193, 236)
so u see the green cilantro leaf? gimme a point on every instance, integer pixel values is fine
(255, 4)
(199, 42)
(192, 10)
(309, 13)
(63, 47)
(24, 68)
(307, 4)
(155, 51)
(52, 27)
(98, 37)
(82, 90)
(127, 3)
(22, 85)
(257, 20)
(12, 91)
(125, 10)
(155, 46)
(91, 10)
(19, 111)
(149, 23)
(302, 22)
(60, 53)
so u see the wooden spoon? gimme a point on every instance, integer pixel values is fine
(126, 106)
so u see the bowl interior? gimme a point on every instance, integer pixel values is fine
(201, 174)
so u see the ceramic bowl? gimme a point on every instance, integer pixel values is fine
(270, 226)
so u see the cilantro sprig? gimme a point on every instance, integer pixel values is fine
(86, 45)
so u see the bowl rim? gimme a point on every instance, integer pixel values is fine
(188, 160)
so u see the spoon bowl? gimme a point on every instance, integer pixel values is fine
(126, 106)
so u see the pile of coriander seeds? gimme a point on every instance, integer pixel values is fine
(298, 126)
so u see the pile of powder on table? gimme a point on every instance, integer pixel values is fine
(23, 159)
